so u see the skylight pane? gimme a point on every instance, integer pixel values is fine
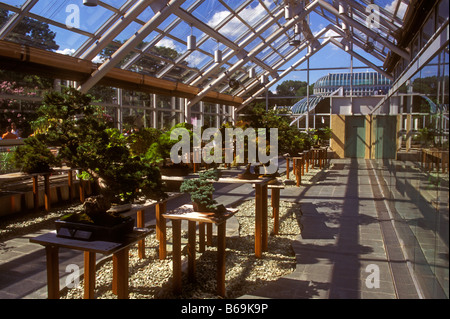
(212, 12)
(72, 15)
(15, 3)
(233, 29)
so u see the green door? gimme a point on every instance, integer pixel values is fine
(355, 137)
(385, 137)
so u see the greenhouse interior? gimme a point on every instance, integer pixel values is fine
(224, 149)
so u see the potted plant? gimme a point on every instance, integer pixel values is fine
(95, 222)
(324, 134)
(34, 157)
(80, 129)
(159, 152)
(201, 190)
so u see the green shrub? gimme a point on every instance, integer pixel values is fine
(34, 157)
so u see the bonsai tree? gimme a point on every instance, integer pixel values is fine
(79, 128)
(34, 156)
(324, 134)
(201, 190)
(141, 140)
(427, 137)
(160, 149)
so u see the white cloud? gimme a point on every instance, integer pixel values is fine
(332, 34)
(168, 43)
(251, 15)
(195, 58)
(66, 51)
(401, 10)
(98, 59)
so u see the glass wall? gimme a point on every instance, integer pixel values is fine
(417, 182)
(22, 94)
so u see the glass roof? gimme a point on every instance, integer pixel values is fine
(153, 38)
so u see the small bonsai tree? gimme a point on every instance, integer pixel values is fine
(201, 190)
(160, 148)
(324, 134)
(34, 156)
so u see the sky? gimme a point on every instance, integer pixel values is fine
(211, 12)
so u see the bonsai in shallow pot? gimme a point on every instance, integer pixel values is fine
(80, 129)
(95, 222)
(201, 190)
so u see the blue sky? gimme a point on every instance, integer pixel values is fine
(211, 12)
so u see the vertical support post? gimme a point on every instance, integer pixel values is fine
(120, 261)
(140, 223)
(287, 167)
(209, 241)
(276, 210)
(176, 227)
(258, 220)
(201, 235)
(70, 182)
(47, 196)
(191, 249)
(89, 275)
(264, 229)
(52, 254)
(35, 192)
(81, 191)
(161, 229)
(221, 245)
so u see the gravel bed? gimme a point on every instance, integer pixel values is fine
(17, 225)
(152, 278)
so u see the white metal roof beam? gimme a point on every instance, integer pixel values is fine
(362, 9)
(251, 36)
(289, 24)
(355, 40)
(282, 75)
(329, 7)
(105, 27)
(131, 43)
(115, 30)
(362, 59)
(290, 56)
(214, 34)
(16, 18)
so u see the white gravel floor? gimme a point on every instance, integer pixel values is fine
(152, 278)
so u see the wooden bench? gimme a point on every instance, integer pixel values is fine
(433, 158)
(18, 177)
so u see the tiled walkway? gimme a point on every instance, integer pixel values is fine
(347, 248)
(346, 245)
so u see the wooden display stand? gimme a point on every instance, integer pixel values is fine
(261, 236)
(202, 218)
(52, 243)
